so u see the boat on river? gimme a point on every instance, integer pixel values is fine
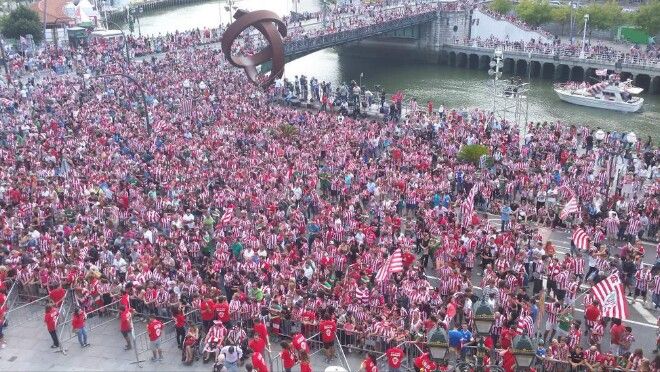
(608, 94)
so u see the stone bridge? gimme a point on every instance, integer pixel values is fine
(300, 48)
(549, 65)
(435, 34)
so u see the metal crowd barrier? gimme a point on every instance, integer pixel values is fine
(142, 344)
(64, 313)
(315, 347)
(27, 312)
(12, 295)
(97, 318)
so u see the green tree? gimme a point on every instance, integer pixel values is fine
(472, 153)
(648, 17)
(561, 15)
(602, 16)
(534, 12)
(23, 21)
(501, 6)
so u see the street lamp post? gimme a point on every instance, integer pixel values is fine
(494, 71)
(524, 351)
(128, 56)
(438, 343)
(134, 82)
(572, 30)
(483, 320)
(584, 35)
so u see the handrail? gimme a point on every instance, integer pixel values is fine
(601, 59)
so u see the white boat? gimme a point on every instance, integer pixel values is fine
(608, 94)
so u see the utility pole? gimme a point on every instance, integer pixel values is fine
(4, 61)
(584, 35)
(45, 3)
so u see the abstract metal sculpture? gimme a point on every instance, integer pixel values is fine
(273, 30)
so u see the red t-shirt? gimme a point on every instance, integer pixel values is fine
(179, 320)
(51, 319)
(125, 300)
(616, 332)
(259, 363)
(305, 367)
(222, 309)
(261, 330)
(328, 328)
(125, 321)
(394, 357)
(78, 320)
(506, 337)
(369, 365)
(309, 316)
(257, 345)
(299, 342)
(56, 295)
(592, 313)
(508, 361)
(208, 310)
(154, 329)
(424, 362)
(287, 359)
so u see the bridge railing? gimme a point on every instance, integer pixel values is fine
(324, 41)
(566, 54)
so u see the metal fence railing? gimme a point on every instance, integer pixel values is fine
(64, 312)
(96, 319)
(142, 344)
(24, 313)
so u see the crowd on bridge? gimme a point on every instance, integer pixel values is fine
(258, 215)
(556, 47)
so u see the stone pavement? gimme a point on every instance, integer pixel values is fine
(28, 349)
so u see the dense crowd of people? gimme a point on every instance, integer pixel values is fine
(271, 220)
(597, 50)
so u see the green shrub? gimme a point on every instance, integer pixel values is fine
(472, 153)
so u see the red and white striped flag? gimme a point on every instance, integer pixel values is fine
(609, 293)
(227, 216)
(187, 107)
(581, 239)
(565, 191)
(570, 207)
(393, 264)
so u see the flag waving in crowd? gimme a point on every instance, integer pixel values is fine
(609, 292)
(393, 264)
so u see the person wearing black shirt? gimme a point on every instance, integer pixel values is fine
(577, 359)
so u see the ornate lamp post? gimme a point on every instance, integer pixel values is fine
(438, 343)
(524, 352)
(484, 316)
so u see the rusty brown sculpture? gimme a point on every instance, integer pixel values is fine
(265, 21)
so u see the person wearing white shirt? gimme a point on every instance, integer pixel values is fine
(232, 355)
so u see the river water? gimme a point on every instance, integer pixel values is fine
(451, 86)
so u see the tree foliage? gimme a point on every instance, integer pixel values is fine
(23, 21)
(501, 6)
(561, 14)
(534, 12)
(648, 17)
(602, 16)
(472, 153)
